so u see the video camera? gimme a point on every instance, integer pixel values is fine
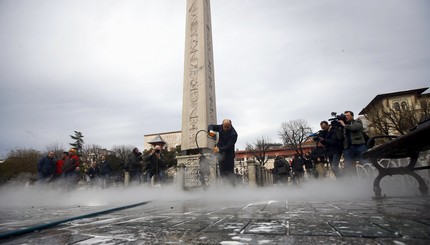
(316, 136)
(336, 118)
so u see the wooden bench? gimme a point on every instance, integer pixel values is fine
(405, 146)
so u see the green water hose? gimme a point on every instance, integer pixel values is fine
(54, 223)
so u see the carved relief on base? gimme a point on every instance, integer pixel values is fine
(194, 172)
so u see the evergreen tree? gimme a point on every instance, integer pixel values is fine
(79, 142)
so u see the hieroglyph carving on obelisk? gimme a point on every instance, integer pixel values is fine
(199, 105)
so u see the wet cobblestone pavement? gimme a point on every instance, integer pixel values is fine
(401, 220)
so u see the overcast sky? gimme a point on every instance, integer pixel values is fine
(114, 69)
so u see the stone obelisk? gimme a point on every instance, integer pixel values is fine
(199, 105)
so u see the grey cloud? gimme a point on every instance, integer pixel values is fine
(114, 69)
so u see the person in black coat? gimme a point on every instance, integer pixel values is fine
(134, 164)
(281, 170)
(105, 170)
(93, 173)
(46, 167)
(319, 159)
(297, 169)
(156, 165)
(225, 147)
(332, 139)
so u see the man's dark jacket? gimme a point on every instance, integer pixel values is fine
(155, 165)
(333, 141)
(46, 166)
(226, 142)
(133, 162)
(105, 168)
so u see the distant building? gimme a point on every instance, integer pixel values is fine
(398, 103)
(273, 151)
(94, 154)
(99, 152)
(168, 140)
(105, 152)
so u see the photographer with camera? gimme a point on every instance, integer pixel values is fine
(156, 165)
(354, 142)
(333, 142)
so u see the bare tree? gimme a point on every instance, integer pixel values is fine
(383, 121)
(19, 162)
(55, 147)
(294, 133)
(259, 149)
(377, 123)
(91, 152)
(425, 108)
(122, 151)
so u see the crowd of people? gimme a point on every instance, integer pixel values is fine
(68, 170)
(150, 169)
(343, 137)
(137, 168)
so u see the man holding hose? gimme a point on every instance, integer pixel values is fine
(225, 147)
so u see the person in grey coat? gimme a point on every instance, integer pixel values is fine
(354, 142)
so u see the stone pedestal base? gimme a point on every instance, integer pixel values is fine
(126, 178)
(193, 172)
(252, 174)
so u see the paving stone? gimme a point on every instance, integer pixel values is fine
(386, 221)
(404, 227)
(228, 225)
(274, 227)
(425, 221)
(313, 227)
(359, 228)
